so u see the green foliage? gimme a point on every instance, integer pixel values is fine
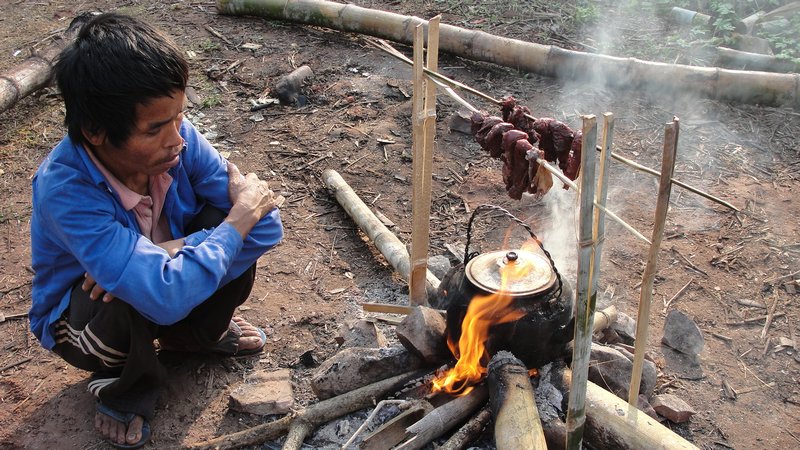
(586, 13)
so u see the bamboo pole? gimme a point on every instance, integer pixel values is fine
(446, 84)
(35, 72)
(517, 424)
(772, 89)
(387, 243)
(423, 135)
(601, 192)
(645, 299)
(585, 299)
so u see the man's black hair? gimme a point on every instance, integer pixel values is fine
(116, 63)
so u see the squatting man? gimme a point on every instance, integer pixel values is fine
(141, 232)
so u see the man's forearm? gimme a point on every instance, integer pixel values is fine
(242, 219)
(172, 247)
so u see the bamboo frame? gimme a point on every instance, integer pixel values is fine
(423, 136)
(671, 131)
(447, 84)
(585, 299)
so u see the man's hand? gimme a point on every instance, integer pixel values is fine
(95, 290)
(252, 199)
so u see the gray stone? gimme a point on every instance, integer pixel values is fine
(360, 333)
(356, 367)
(682, 334)
(264, 393)
(673, 408)
(422, 332)
(611, 368)
(439, 265)
(647, 408)
(461, 122)
(625, 326)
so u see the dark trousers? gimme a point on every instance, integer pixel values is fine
(115, 342)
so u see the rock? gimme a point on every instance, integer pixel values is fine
(264, 393)
(439, 265)
(673, 408)
(422, 332)
(356, 367)
(360, 333)
(461, 122)
(682, 334)
(288, 88)
(625, 326)
(647, 408)
(611, 368)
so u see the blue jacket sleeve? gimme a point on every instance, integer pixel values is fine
(208, 174)
(128, 265)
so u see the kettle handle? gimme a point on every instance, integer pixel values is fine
(485, 207)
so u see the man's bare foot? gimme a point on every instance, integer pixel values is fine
(116, 431)
(251, 338)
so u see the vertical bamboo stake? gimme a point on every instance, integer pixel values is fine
(599, 226)
(424, 129)
(643, 318)
(584, 299)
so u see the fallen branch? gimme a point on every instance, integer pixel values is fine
(312, 416)
(773, 89)
(35, 72)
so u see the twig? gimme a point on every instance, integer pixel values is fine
(688, 263)
(755, 388)
(217, 34)
(751, 303)
(677, 294)
(467, 433)
(14, 288)
(18, 363)
(770, 315)
(755, 319)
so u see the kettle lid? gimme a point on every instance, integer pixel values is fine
(527, 273)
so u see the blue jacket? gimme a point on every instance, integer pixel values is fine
(78, 225)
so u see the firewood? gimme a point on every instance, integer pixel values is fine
(769, 89)
(470, 431)
(516, 424)
(35, 72)
(305, 420)
(443, 419)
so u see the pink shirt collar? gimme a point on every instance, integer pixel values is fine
(146, 208)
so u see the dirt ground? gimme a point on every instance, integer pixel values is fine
(314, 280)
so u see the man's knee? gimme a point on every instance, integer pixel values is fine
(209, 217)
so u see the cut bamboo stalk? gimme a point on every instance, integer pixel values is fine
(601, 192)
(671, 131)
(584, 299)
(770, 89)
(516, 417)
(316, 414)
(35, 72)
(424, 132)
(387, 243)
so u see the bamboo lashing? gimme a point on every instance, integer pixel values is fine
(584, 298)
(542, 162)
(671, 131)
(424, 132)
(449, 83)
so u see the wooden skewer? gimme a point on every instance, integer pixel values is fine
(445, 81)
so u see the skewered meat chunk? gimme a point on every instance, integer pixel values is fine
(574, 162)
(515, 169)
(494, 139)
(555, 139)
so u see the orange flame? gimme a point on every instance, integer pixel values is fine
(483, 312)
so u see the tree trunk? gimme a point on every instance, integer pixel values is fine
(35, 72)
(773, 89)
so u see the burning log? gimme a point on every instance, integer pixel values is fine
(516, 424)
(305, 420)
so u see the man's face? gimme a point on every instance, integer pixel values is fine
(154, 145)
